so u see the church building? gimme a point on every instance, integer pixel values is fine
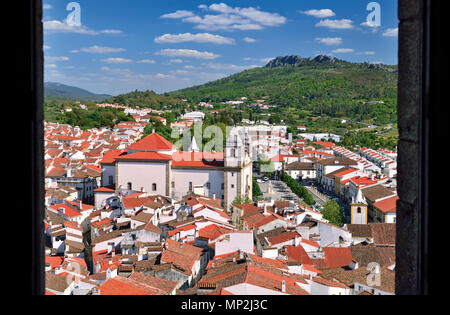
(154, 165)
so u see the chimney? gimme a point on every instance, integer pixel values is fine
(241, 255)
(80, 204)
(283, 286)
(214, 196)
(297, 240)
(212, 265)
(234, 259)
(265, 209)
(110, 247)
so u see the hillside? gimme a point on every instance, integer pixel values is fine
(144, 99)
(58, 91)
(310, 87)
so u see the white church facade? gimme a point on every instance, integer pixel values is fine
(154, 165)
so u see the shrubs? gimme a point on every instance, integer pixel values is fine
(333, 213)
(257, 193)
(298, 189)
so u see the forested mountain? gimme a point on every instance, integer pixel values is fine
(144, 99)
(58, 91)
(312, 86)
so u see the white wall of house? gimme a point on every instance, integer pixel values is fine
(142, 174)
(182, 178)
(104, 245)
(278, 223)
(330, 234)
(108, 170)
(237, 241)
(319, 289)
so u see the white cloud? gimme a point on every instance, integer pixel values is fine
(46, 47)
(53, 58)
(266, 60)
(336, 24)
(116, 60)
(323, 13)
(263, 60)
(99, 50)
(198, 38)
(391, 32)
(164, 76)
(187, 53)
(51, 66)
(249, 40)
(330, 40)
(55, 26)
(176, 61)
(343, 51)
(149, 61)
(366, 53)
(219, 66)
(46, 6)
(229, 18)
(178, 15)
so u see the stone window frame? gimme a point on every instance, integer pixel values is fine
(418, 86)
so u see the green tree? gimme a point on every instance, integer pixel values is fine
(333, 213)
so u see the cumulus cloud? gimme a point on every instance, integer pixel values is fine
(230, 67)
(148, 61)
(179, 14)
(99, 50)
(229, 18)
(330, 41)
(116, 60)
(391, 32)
(336, 24)
(343, 51)
(54, 58)
(323, 13)
(366, 53)
(187, 53)
(56, 26)
(198, 38)
(249, 40)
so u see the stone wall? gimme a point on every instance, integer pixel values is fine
(409, 246)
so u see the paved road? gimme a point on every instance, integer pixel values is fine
(280, 191)
(318, 197)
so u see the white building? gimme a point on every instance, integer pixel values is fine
(154, 165)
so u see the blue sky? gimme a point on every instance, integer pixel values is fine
(162, 45)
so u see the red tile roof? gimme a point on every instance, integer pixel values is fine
(144, 156)
(68, 211)
(124, 286)
(197, 159)
(336, 257)
(387, 205)
(152, 142)
(109, 157)
(297, 254)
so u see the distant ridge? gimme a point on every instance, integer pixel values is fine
(297, 81)
(58, 91)
(297, 61)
